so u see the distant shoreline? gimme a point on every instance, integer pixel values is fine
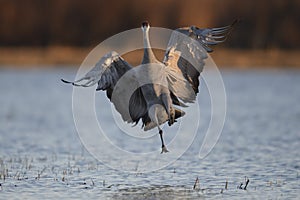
(31, 57)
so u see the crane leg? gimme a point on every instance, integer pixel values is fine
(163, 146)
(171, 116)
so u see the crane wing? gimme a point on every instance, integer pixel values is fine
(106, 73)
(188, 48)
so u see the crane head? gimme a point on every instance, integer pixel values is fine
(145, 26)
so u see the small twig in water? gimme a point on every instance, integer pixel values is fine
(196, 183)
(240, 187)
(226, 184)
(38, 176)
(247, 182)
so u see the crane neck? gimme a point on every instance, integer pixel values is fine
(149, 56)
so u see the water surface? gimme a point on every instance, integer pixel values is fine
(41, 155)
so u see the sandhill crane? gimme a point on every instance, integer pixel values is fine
(153, 103)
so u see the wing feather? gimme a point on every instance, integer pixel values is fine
(107, 72)
(180, 87)
(188, 48)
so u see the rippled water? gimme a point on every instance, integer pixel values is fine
(41, 154)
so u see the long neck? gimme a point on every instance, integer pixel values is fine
(149, 57)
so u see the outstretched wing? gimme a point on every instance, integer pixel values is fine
(106, 73)
(188, 48)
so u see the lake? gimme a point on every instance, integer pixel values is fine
(41, 154)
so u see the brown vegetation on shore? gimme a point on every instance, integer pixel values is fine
(73, 56)
(62, 32)
(264, 24)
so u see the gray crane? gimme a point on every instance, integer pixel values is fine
(156, 103)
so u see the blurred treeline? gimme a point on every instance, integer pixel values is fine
(264, 23)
